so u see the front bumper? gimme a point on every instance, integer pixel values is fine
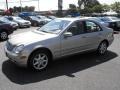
(15, 27)
(16, 58)
(24, 25)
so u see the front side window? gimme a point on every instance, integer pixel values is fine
(34, 18)
(92, 27)
(76, 28)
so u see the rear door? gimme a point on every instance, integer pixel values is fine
(93, 34)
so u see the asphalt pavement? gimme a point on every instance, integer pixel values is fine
(78, 72)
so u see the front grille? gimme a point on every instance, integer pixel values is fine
(10, 47)
(14, 24)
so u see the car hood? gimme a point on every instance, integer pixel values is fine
(48, 19)
(13, 23)
(22, 21)
(30, 37)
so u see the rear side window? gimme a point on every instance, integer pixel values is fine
(92, 27)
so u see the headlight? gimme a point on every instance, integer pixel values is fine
(29, 22)
(18, 49)
(11, 24)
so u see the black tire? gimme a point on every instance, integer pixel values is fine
(28, 26)
(102, 48)
(35, 24)
(3, 35)
(32, 60)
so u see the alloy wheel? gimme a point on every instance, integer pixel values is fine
(3, 35)
(102, 47)
(40, 61)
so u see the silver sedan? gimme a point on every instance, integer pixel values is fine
(59, 38)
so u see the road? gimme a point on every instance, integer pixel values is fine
(78, 72)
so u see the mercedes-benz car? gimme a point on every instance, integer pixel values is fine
(35, 21)
(60, 37)
(13, 24)
(21, 22)
(113, 22)
(98, 20)
(5, 30)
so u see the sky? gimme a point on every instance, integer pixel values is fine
(46, 4)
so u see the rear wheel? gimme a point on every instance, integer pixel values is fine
(35, 24)
(102, 48)
(3, 35)
(39, 60)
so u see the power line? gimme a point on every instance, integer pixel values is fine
(21, 1)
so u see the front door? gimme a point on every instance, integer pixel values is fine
(76, 42)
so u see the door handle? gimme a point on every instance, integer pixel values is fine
(100, 34)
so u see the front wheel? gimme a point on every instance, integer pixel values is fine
(39, 60)
(102, 48)
(3, 35)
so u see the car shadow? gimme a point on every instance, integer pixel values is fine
(65, 66)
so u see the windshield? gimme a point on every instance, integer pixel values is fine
(43, 17)
(33, 17)
(55, 26)
(114, 18)
(96, 19)
(17, 18)
(109, 18)
(4, 19)
(104, 19)
(51, 17)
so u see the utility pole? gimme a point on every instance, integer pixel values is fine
(38, 5)
(21, 5)
(7, 4)
(60, 2)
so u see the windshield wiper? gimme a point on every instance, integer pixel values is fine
(44, 31)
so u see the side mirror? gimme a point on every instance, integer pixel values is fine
(67, 34)
(73, 28)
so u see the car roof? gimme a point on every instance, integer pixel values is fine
(76, 19)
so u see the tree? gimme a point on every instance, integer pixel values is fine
(89, 6)
(87, 3)
(97, 9)
(72, 9)
(31, 9)
(106, 8)
(26, 8)
(116, 7)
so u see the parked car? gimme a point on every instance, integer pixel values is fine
(5, 30)
(114, 22)
(25, 14)
(98, 20)
(35, 21)
(13, 24)
(58, 38)
(21, 22)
